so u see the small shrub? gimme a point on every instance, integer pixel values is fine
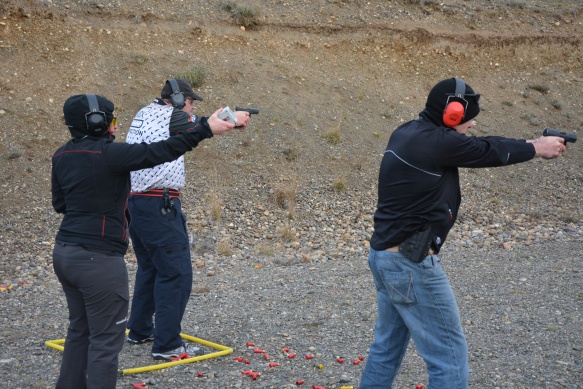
(516, 4)
(243, 15)
(140, 59)
(531, 119)
(215, 207)
(339, 185)
(387, 114)
(286, 233)
(556, 104)
(195, 75)
(15, 152)
(291, 154)
(333, 137)
(265, 249)
(285, 197)
(215, 201)
(224, 248)
(539, 87)
(571, 219)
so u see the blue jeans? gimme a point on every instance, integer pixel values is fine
(415, 301)
(164, 276)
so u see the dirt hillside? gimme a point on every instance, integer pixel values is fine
(311, 67)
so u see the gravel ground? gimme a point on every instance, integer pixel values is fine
(515, 273)
(521, 309)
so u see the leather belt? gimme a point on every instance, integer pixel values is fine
(174, 194)
(395, 249)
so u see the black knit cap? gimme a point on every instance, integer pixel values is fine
(75, 110)
(184, 87)
(437, 99)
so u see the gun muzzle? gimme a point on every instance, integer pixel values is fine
(252, 111)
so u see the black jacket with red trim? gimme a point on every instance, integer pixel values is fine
(91, 182)
(419, 179)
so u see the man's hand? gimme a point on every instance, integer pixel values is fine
(219, 126)
(549, 147)
(243, 119)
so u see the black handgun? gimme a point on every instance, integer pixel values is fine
(252, 111)
(567, 136)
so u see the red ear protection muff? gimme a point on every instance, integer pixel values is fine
(455, 107)
(454, 114)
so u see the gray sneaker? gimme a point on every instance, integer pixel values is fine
(192, 351)
(141, 341)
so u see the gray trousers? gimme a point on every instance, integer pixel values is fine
(97, 292)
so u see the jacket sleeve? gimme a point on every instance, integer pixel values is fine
(124, 157)
(458, 150)
(181, 121)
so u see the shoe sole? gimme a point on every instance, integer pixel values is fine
(160, 357)
(131, 341)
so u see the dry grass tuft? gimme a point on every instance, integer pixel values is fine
(286, 233)
(333, 137)
(243, 15)
(224, 247)
(265, 249)
(291, 154)
(542, 88)
(284, 195)
(195, 75)
(339, 185)
(215, 200)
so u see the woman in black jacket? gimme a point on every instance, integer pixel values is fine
(90, 186)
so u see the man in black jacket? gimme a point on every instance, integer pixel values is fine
(418, 200)
(90, 186)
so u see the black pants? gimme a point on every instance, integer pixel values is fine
(164, 277)
(97, 292)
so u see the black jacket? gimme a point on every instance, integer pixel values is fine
(91, 182)
(419, 180)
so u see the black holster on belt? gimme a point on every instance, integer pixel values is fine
(416, 247)
(168, 203)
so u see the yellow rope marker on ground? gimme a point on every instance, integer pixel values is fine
(223, 350)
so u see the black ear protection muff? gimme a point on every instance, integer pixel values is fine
(95, 119)
(456, 105)
(177, 98)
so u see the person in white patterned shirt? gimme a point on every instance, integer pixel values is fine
(158, 225)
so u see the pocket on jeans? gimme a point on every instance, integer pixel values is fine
(400, 287)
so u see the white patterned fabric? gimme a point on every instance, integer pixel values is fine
(152, 124)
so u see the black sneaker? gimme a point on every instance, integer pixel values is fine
(141, 341)
(192, 351)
